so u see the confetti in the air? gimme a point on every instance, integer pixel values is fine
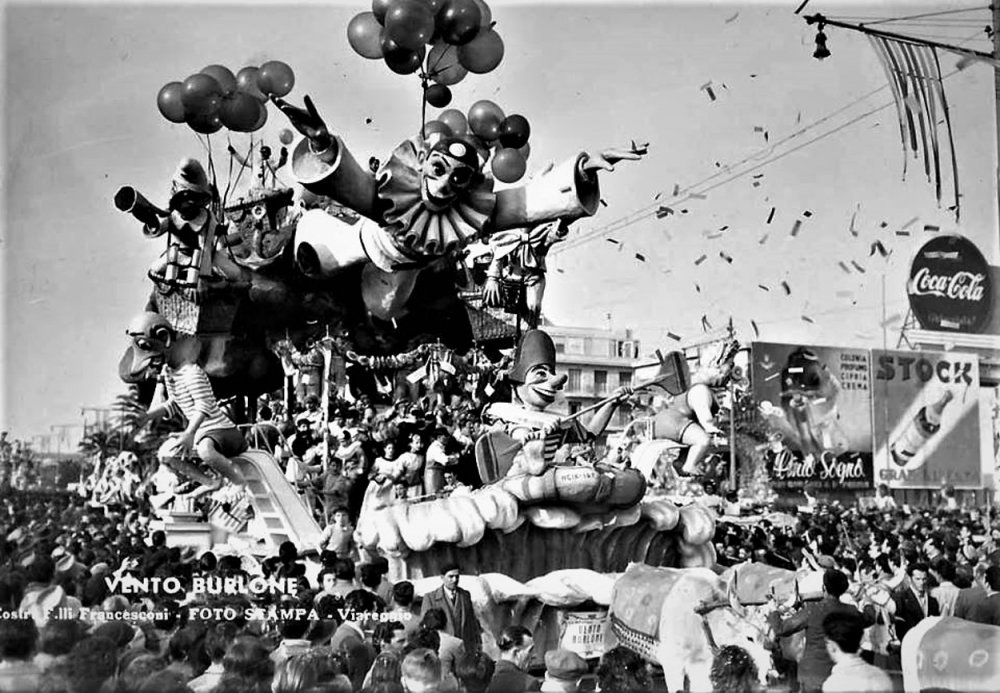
(795, 227)
(858, 267)
(612, 240)
(698, 196)
(763, 239)
(891, 319)
(640, 257)
(756, 330)
(707, 88)
(705, 324)
(932, 228)
(844, 267)
(701, 259)
(761, 286)
(910, 223)
(697, 288)
(806, 318)
(675, 337)
(770, 215)
(902, 233)
(663, 211)
(677, 189)
(883, 224)
(807, 214)
(733, 18)
(727, 258)
(603, 203)
(788, 289)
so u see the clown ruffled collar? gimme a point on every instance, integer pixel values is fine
(417, 230)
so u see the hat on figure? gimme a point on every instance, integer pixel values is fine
(563, 671)
(191, 176)
(536, 348)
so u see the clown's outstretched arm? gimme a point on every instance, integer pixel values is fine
(569, 191)
(324, 165)
(602, 417)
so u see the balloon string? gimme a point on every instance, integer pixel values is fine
(229, 175)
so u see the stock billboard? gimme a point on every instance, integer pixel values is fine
(816, 403)
(927, 419)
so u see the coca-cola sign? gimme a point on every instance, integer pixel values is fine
(950, 287)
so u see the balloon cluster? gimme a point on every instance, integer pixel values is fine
(487, 128)
(459, 32)
(215, 98)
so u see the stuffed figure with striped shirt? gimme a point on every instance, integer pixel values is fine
(209, 434)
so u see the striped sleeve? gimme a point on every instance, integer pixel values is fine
(193, 379)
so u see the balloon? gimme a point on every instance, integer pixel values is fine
(434, 5)
(438, 95)
(275, 77)
(525, 151)
(286, 136)
(206, 123)
(168, 100)
(487, 14)
(442, 64)
(459, 21)
(224, 76)
(380, 8)
(246, 81)
(239, 112)
(401, 60)
(364, 35)
(508, 165)
(483, 53)
(514, 131)
(437, 127)
(485, 118)
(455, 120)
(410, 23)
(201, 95)
(261, 117)
(477, 143)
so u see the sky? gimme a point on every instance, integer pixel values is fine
(816, 141)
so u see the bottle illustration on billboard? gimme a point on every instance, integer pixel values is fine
(922, 428)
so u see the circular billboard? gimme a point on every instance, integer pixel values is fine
(950, 288)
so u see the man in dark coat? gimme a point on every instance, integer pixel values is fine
(457, 606)
(913, 601)
(815, 664)
(988, 610)
(516, 645)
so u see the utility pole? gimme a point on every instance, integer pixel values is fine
(996, 88)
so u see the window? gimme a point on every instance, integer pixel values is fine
(600, 382)
(574, 379)
(560, 347)
(624, 378)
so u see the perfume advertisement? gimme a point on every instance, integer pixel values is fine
(816, 403)
(926, 419)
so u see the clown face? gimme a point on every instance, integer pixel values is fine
(541, 385)
(443, 179)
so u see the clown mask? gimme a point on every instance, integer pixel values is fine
(448, 170)
(541, 385)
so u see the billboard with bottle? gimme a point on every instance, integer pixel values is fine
(816, 406)
(926, 419)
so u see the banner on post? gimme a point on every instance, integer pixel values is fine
(816, 404)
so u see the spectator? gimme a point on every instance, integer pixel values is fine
(621, 669)
(510, 675)
(850, 674)
(815, 663)
(403, 602)
(343, 574)
(438, 460)
(18, 673)
(56, 641)
(421, 672)
(451, 648)
(456, 603)
(474, 671)
(913, 602)
(969, 597)
(217, 642)
(946, 592)
(733, 671)
(988, 610)
(563, 671)
(247, 658)
(336, 489)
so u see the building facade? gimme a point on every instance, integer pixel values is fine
(596, 363)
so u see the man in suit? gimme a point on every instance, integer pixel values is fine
(988, 610)
(456, 603)
(349, 637)
(452, 649)
(510, 675)
(815, 664)
(913, 601)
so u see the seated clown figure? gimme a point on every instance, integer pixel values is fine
(428, 200)
(545, 438)
(209, 433)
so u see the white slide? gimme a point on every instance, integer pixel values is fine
(276, 502)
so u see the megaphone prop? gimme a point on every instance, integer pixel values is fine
(131, 201)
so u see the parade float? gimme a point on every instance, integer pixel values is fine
(368, 261)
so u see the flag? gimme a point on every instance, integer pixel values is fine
(914, 75)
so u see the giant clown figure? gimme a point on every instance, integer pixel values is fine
(428, 200)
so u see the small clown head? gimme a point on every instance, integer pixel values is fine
(151, 337)
(534, 370)
(450, 166)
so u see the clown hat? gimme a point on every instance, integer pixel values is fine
(190, 176)
(536, 348)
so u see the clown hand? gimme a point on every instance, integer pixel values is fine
(607, 159)
(308, 122)
(491, 292)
